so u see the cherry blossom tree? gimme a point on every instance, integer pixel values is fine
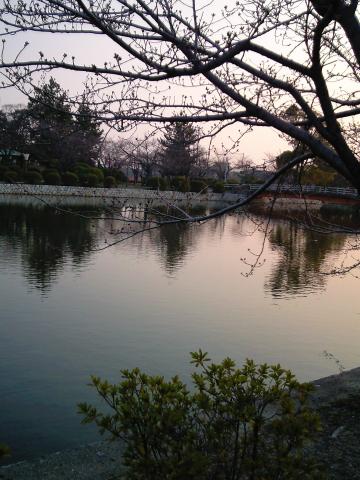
(240, 65)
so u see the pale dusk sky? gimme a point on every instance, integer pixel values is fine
(255, 145)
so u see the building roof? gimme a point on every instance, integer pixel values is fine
(11, 153)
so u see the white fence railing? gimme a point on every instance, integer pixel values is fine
(315, 189)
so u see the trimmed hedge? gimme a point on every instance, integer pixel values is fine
(33, 177)
(98, 172)
(11, 176)
(92, 180)
(119, 175)
(52, 177)
(181, 184)
(70, 179)
(218, 187)
(157, 183)
(109, 182)
(198, 186)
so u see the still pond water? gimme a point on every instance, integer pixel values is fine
(68, 311)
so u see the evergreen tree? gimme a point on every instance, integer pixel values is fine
(59, 135)
(180, 147)
(51, 124)
(86, 136)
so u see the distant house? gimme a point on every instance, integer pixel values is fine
(13, 157)
(136, 172)
(252, 175)
(213, 173)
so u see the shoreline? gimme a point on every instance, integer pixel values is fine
(337, 447)
(94, 461)
(60, 195)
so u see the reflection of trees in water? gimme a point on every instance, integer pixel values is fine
(302, 257)
(45, 240)
(174, 243)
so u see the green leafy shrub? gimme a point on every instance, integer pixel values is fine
(181, 184)
(109, 182)
(157, 183)
(70, 179)
(237, 423)
(33, 177)
(218, 187)
(198, 186)
(51, 177)
(11, 176)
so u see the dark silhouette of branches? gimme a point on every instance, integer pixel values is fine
(245, 63)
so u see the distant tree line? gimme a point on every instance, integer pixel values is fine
(66, 145)
(49, 131)
(49, 141)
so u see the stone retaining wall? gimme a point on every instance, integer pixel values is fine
(289, 203)
(136, 193)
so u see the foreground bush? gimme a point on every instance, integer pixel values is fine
(247, 423)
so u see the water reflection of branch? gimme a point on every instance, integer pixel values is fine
(258, 263)
(302, 254)
(323, 226)
(344, 266)
(126, 236)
